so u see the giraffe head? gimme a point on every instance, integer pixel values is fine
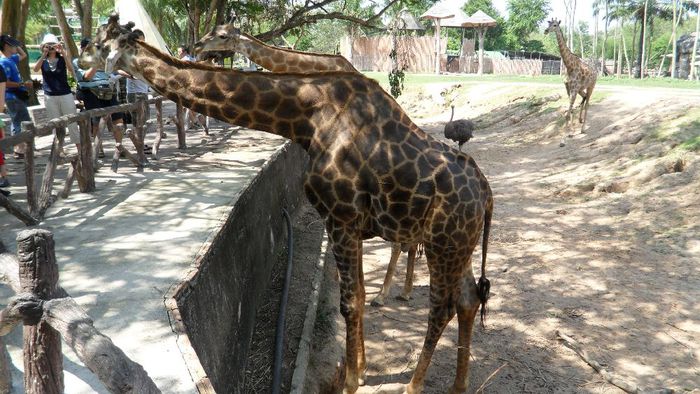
(222, 38)
(106, 41)
(553, 26)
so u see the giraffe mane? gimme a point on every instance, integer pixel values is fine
(330, 55)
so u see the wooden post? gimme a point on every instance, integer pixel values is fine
(482, 31)
(38, 274)
(69, 179)
(29, 170)
(14, 209)
(46, 189)
(180, 116)
(139, 136)
(86, 172)
(437, 46)
(159, 129)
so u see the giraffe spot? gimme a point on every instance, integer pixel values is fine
(367, 181)
(303, 129)
(243, 120)
(406, 224)
(269, 101)
(425, 188)
(262, 118)
(278, 58)
(394, 132)
(396, 155)
(344, 212)
(419, 206)
(341, 92)
(359, 84)
(348, 160)
(288, 87)
(425, 169)
(200, 108)
(287, 109)
(379, 160)
(398, 210)
(396, 114)
(409, 151)
(330, 173)
(230, 111)
(387, 184)
(173, 85)
(344, 190)
(388, 222)
(406, 175)
(283, 128)
(182, 79)
(214, 93)
(245, 96)
(361, 111)
(443, 181)
(400, 195)
(149, 74)
(185, 102)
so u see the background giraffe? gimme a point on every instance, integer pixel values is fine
(229, 38)
(580, 77)
(372, 172)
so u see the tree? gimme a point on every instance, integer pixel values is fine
(525, 18)
(496, 37)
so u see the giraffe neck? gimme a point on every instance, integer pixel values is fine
(281, 60)
(262, 101)
(566, 55)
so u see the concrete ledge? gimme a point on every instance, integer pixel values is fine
(213, 309)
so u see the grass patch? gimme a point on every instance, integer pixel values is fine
(684, 129)
(692, 144)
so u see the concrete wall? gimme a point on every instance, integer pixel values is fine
(217, 304)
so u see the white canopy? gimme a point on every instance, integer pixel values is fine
(133, 11)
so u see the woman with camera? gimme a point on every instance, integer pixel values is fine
(16, 93)
(54, 64)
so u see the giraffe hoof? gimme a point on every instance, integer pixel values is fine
(403, 297)
(378, 301)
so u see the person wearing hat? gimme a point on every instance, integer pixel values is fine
(90, 83)
(16, 93)
(54, 64)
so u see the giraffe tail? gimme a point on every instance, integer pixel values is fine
(484, 286)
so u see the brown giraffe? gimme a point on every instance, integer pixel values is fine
(229, 38)
(580, 77)
(372, 172)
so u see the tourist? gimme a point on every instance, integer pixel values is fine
(16, 93)
(96, 92)
(4, 182)
(54, 64)
(192, 119)
(136, 90)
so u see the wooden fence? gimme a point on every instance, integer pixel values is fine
(372, 54)
(49, 314)
(84, 164)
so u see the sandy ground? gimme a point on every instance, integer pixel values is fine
(599, 239)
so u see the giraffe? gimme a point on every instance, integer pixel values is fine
(372, 172)
(580, 77)
(229, 38)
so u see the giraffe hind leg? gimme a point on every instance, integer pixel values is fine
(467, 307)
(408, 282)
(384, 292)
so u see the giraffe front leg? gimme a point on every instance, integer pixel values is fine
(395, 254)
(569, 116)
(347, 251)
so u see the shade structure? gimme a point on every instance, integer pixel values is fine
(481, 22)
(439, 11)
(457, 20)
(133, 11)
(408, 22)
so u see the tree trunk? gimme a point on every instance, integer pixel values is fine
(693, 68)
(65, 29)
(642, 43)
(605, 38)
(674, 72)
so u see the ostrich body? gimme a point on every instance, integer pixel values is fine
(460, 130)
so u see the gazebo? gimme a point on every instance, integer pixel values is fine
(438, 12)
(481, 22)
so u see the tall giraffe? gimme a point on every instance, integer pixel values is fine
(227, 37)
(580, 77)
(372, 172)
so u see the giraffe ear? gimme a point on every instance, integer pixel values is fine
(113, 19)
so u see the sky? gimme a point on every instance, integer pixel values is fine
(584, 9)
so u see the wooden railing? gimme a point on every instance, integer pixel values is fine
(84, 164)
(49, 314)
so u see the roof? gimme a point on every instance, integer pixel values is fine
(440, 10)
(479, 19)
(409, 22)
(459, 18)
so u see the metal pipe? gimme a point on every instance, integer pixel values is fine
(279, 335)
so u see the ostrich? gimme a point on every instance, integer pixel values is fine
(459, 130)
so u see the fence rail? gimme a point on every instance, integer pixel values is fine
(84, 164)
(49, 314)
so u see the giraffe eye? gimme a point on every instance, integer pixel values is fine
(223, 36)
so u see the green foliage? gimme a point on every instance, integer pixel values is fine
(495, 36)
(525, 18)
(396, 76)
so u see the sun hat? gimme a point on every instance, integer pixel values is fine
(49, 39)
(9, 40)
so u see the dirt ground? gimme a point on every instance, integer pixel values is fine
(599, 239)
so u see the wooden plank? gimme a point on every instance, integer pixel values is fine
(46, 188)
(29, 171)
(38, 274)
(69, 179)
(85, 172)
